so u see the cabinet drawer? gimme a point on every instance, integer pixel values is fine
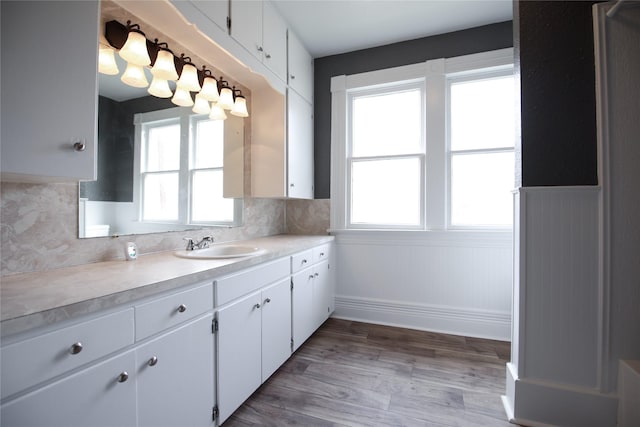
(301, 260)
(163, 313)
(321, 253)
(234, 286)
(32, 361)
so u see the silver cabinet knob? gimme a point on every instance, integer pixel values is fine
(182, 308)
(321, 253)
(260, 49)
(304, 261)
(76, 348)
(267, 301)
(316, 275)
(124, 376)
(310, 276)
(79, 146)
(292, 185)
(292, 77)
(257, 305)
(153, 361)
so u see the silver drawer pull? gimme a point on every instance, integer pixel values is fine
(182, 308)
(304, 261)
(267, 301)
(79, 146)
(76, 348)
(153, 361)
(124, 376)
(311, 276)
(257, 305)
(321, 253)
(317, 274)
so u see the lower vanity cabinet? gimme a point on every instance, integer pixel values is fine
(254, 339)
(103, 395)
(174, 375)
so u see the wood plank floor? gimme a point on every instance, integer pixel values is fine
(358, 374)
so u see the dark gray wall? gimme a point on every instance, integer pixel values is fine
(474, 40)
(554, 41)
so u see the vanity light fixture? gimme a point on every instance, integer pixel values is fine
(135, 50)
(182, 97)
(160, 88)
(106, 58)
(164, 66)
(134, 76)
(239, 105)
(217, 112)
(209, 86)
(201, 105)
(226, 96)
(189, 76)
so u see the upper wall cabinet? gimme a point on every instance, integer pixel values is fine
(49, 90)
(216, 10)
(300, 68)
(260, 29)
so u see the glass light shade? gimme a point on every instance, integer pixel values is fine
(160, 88)
(182, 97)
(107, 61)
(134, 76)
(226, 98)
(210, 89)
(240, 107)
(217, 113)
(164, 67)
(201, 106)
(189, 78)
(134, 50)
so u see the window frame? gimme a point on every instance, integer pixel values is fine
(187, 119)
(468, 76)
(395, 87)
(434, 74)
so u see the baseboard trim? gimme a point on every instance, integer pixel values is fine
(449, 320)
(542, 404)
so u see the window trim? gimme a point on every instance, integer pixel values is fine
(434, 73)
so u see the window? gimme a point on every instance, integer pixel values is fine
(387, 157)
(427, 146)
(481, 157)
(181, 169)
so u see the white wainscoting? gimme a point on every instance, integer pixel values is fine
(456, 282)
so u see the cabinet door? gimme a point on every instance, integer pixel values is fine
(321, 293)
(239, 352)
(175, 377)
(300, 68)
(274, 38)
(42, 120)
(246, 25)
(276, 326)
(216, 10)
(299, 147)
(302, 306)
(91, 397)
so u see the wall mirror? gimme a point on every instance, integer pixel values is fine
(160, 167)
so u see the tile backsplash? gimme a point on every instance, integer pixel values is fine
(39, 228)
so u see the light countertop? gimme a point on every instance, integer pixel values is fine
(31, 300)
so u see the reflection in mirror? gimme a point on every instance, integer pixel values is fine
(160, 167)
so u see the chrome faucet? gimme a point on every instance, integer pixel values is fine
(204, 243)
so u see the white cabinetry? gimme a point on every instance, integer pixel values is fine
(216, 10)
(260, 29)
(312, 292)
(254, 331)
(92, 373)
(299, 147)
(41, 120)
(300, 68)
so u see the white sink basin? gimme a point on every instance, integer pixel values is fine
(220, 252)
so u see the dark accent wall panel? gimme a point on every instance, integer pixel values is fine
(474, 40)
(557, 88)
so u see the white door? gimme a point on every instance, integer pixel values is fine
(239, 352)
(300, 68)
(216, 10)
(299, 147)
(246, 25)
(321, 293)
(276, 326)
(274, 38)
(175, 377)
(103, 395)
(302, 306)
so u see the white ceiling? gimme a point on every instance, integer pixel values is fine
(329, 27)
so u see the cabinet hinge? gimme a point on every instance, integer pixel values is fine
(215, 413)
(291, 284)
(291, 345)
(229, 23)
(214, 326)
